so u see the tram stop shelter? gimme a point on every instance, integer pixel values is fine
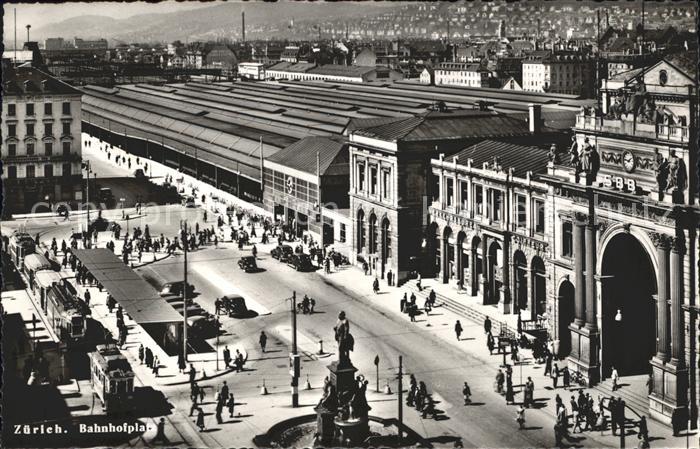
(136, 296)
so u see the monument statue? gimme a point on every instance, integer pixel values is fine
(359, 408)
(346, 342)
(575, 161)
(589, 159)
(329, 400)
(660, 170)
(677, 179)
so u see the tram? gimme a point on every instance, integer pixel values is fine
(66, 312)
(112, 378)
(20, 246)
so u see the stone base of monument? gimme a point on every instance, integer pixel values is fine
(352, 432)
(325, 426)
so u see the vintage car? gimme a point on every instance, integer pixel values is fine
(282, 253)
(203, 326)
(234, 305)
(175, 288)
(248, 264)
(301, 262)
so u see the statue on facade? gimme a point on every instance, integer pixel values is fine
(553, 154)
(344, 338)
(589, 159)
(677, 177)
(574, 160)
(660, 169)
(649, 111)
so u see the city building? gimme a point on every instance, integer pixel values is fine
(81, 44)
(564, 73)
(41, 148)
(391, 183)
(427, 76)
(307, 182)
(308, 71)
(55, 43)
(290, 54)
(461, 74)
(222, 57)
(624, 240)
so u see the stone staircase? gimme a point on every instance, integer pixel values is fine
(460, 308)
(636, 402)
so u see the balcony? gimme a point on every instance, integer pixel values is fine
(673, 133)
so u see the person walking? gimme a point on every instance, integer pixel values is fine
(500, 380)
(200, 419)
(490, 342)
(223, 394)
(227, 356)
(389, 277)
(263, 341)
(458, 329)
(643, 430)
(181, 362)
(230, 403)
(467, 393)
(555, 376)
(160, 433)
(375, 285)
(615, 379)
(548, 364)
(193, 373)
(487, 325)
(566, 377)
(219, 410)
(520, 417)
(142, 353)
(419, 283)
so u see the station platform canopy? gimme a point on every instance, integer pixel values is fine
(136, 296)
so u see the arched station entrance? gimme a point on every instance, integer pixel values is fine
(628, 285)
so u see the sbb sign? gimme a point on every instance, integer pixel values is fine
(619, 183)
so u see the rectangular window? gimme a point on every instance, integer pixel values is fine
(12, 172)
(386, 184)
(373, 180)
(12, 130)
(66, 108)
(12, 149)
(450, 192)
(11, 110)
(342, 233)
(66, 129)
(538, 206)
(30, 171)
(30, 149)
(361, 176)
(48, 171)
(66, 148)
(520, 211)
(464, 192)
(30, 129)
(30, 109)
(497, 199)
(478, 200)
(66, 170)
(567, 239)
(48, 148)
(48, 109)
(48, 129)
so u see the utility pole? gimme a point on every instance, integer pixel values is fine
(183, 236)
(376, 364)
(400, 399)
(294, 360)
(318, 196)
(87, 195)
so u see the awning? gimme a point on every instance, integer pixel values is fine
(138, 298)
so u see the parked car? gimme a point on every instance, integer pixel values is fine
(192, 310)
(282, 252)
(177, 300)
(138, 173)
(175, 288)
(248, 264)
(234, 305)
(203, 326)
(189, 202)
(301, 262)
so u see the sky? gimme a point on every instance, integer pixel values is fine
(38, 14)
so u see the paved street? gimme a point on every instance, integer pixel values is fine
(429, 348)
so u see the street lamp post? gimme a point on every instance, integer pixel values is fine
(218, 323)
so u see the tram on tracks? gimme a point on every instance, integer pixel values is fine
(66, 313)
(112, 378)
(20, 245)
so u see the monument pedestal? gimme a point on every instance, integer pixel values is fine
(667, 401)
(342, 377)
(325, 426)
(584, 353)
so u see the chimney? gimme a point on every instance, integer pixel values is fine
(535, 117)
(243, 24)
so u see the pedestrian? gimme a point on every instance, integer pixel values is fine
(615, 379)
(548, 364)
(230, 403)
(219, 410)
(389, 277)
(223, 394)
(227, 356)
(181, 362)
(566, 377)
(149, 358)
(141, 353)
(263, 341)
(432, 296)
(520, 417)
(200, 390)
(643, 430)
(612, 406)
(458, 329)
(193, 373)
(510, 394)
(412, 312)
(500, 380)
(375, 285)
(365, 267)
(238, 361)
(160, 433)
(529, 392)
(467, 393)
(419, 283)
(555, 376)
(255, 251)
(200, 419)
(490, 342)
(487, 325)
(404, 303)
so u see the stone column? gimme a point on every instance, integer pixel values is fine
(484, 270)
(579, 292)
(505, 276)
(458, 259)
(663, 244)
(591, 310)
(676, 289)
(474, 282)
(444, 260)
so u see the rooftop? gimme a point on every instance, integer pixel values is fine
(302, 155)
(19, 81)
(519, 157)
